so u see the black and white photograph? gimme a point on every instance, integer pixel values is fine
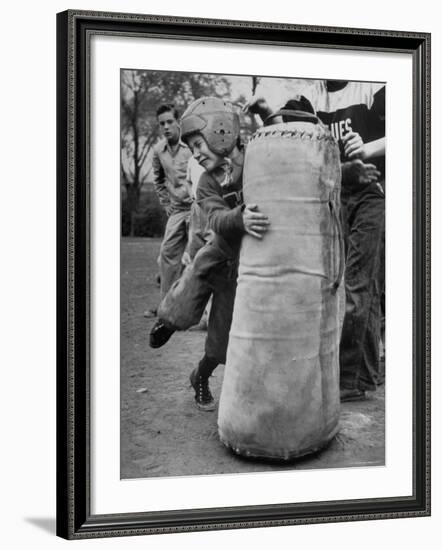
(243, 307)
(217, 314)
(252, 274)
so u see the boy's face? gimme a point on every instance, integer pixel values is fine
(169, 126)
(202, 154)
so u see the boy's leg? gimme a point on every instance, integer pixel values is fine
(199, 379)
(220, 320)
(181, 308)
(172, 249)
(184, 304)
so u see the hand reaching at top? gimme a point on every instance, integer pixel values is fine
(258, 105)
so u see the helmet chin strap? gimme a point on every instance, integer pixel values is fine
(228, 170)
(232, 163)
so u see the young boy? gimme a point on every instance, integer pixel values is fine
(169, 164)
(210, 127)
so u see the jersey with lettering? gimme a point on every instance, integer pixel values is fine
(356, 107)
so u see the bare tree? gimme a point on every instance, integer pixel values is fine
(141, 94)
(137, 138)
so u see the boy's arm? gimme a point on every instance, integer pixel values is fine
(159, 182)
(375, 148)
(258, 106)
(355, 148)
(223, 220)
(230, 222)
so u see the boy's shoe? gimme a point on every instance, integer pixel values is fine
(160, 334)
(203, 397)
(353, 395)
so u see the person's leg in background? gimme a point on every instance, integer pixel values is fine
(381, 364)
(172, 249)
(364, 216)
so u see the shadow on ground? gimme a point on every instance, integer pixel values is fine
(46, 524)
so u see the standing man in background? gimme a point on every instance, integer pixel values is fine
(355, 114)
(169, 163)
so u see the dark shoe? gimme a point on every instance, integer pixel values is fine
(160, 334)
(150, 313)
(203, 397)
(353, 395)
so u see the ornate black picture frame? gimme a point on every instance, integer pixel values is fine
(74, 517)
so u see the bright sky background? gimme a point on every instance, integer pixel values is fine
(276, 90)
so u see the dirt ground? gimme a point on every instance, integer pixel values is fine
(162, 431)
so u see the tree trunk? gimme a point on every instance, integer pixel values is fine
(132, 223)
(133, 197)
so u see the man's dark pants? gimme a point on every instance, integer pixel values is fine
(363, 212)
